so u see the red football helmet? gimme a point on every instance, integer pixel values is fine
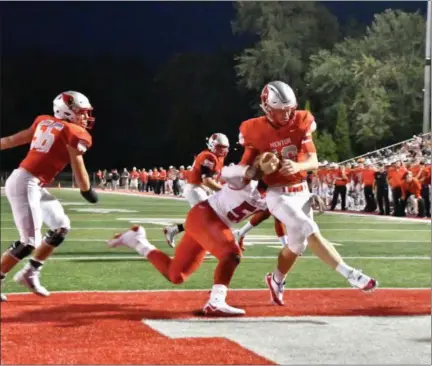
(279, 103)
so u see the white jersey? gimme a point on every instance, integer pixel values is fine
(237, 200)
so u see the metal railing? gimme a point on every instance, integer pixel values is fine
(390, 147)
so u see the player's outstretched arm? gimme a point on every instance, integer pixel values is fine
(21, 138)
(81, 175)
(212, 184)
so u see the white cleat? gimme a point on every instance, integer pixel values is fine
(361, 281)
(29, 277)
(215, 308)
(129, 238)
(3, 298)
(276, 289)
(170, 232)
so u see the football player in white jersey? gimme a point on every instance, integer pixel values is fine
(208, 228)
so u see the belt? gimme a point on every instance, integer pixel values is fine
(299, 187)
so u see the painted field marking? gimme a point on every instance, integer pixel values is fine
(136, 257)
(82, 320)
(402, 289)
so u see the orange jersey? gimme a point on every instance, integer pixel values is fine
(368, 176)
(424, 176)
(322, 175)
(394, 176)
(134, 175)
(144, 177)
(48, 154)
(293, 142)
(163, 175)
(414, 169)
(342, 181)
(413, 187)
(206, 164)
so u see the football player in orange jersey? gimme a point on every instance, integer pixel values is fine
(200, 179)
(287, 132)
(55, 141)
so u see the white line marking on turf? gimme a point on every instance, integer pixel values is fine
(366, 216)
(231, 290)
(251, 243)
(135, 257)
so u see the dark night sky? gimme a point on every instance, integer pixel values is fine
(153, 29)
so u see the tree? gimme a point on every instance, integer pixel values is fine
(379, 77)
(288, 33)
(341, 135)
(326, 147)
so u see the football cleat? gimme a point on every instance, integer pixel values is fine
(221, 308)
(170, 232)
(29, 277)
(3, 297)
(128, 238)
(361, 281)
(276, 289)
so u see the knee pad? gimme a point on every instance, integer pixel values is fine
(20, 250)
(55, 238)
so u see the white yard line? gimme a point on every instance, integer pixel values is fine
(231, 289)
(136, 257)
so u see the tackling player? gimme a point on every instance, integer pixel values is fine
(287, 132)
(54, 141)
(208, 228)
(200, 179)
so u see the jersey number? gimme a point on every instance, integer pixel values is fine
(240, 212)
(44, 137)
(287, 152)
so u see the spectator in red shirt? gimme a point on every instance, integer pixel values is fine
(411, 189)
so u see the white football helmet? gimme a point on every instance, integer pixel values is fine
(278, 102)
(74, 107)
(182, 167)
(218, 144)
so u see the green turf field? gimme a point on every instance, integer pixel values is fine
(396, 253)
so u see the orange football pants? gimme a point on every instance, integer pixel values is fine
(204, 232)
(261, 216)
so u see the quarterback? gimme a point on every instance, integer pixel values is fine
(287, 132)
(55, 141)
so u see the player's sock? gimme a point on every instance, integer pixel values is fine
(225, 270)
(344, 269)
(218, 293)
(245, 229)
(284, 240)
(144, 247)
(278, 276)
(180, 228)
(36, 264)
(160, 261)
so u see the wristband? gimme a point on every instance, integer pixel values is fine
(90, 195)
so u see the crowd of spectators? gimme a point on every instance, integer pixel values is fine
(157, 180)
(395, 180)
(392, 181)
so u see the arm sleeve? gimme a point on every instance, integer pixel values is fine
(234, 175)
(80, 141)
(250, 153)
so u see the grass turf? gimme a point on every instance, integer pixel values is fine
(84, 262)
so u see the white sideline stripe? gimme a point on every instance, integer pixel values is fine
(384, 218)
(136, 257)
(231, 290)
(253, 242)
(262, 229)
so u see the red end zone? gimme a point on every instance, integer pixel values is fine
(107, 328)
